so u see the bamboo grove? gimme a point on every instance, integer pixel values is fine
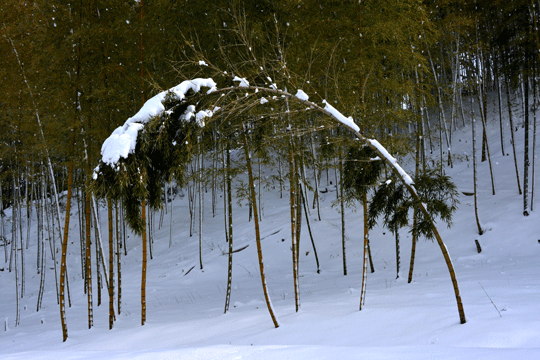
(409, 72)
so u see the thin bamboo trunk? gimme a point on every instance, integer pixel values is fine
(342, 207)
(510, 119)
(259, 193)
(98, 261)
(526, 162)
(43, 258)
(214, 167)
(199, 156)
(191, 207)
(230, 226)
(537, 38)
(442, 117)
(315, 174)
(13, 252)
(111, 262)
(485, 144)
(298, 203)
(21, 238)
(257, 232)
(292, 200)
(80, 205)
(150, 231)
(475, 177)
(366, 247)
(170, 223)
(89, 263)
(304, 202)
(398, 259)
(305, 192)
(51, 172)
(63, 263)
(14, 256)
(280, 178)
(144, 260)
(2, 224)
(38, 204)
(52, 246)
(118, 262)
(533, 155)
(499, 96)
(99, 243)
(224, 168)
(42, 276)
(419, 135)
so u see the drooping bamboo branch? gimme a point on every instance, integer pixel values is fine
(396, 168)
(301, 98)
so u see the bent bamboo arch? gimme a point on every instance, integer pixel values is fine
(396, 168)
(301, 97)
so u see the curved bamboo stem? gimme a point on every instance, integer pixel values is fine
(257, 231)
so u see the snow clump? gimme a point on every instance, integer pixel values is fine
(123, 140)
(300, 94)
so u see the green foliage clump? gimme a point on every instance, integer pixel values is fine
(391, 201)
(440, 195)
(361, 170)
(163, 149)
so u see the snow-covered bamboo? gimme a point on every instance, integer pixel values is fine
(111, 155)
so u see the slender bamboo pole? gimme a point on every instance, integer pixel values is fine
(144, 261)
(292, 204)
(257, 232)
(475, 175)
(304, 202)
(89, 263)
(510, 119)
(228, 191)
(366, 247)
(111, 262)
(63, 263)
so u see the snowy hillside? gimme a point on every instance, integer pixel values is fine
(500, 287)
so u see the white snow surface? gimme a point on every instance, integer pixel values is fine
(414, 321)
(123, 140)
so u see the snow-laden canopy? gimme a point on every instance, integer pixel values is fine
(123, 140)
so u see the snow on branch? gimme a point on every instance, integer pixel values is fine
(123, 140)
(402, 173)
(243, 82)
(348, 121)
(300, 94)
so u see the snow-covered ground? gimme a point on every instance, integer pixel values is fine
(500, 287)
